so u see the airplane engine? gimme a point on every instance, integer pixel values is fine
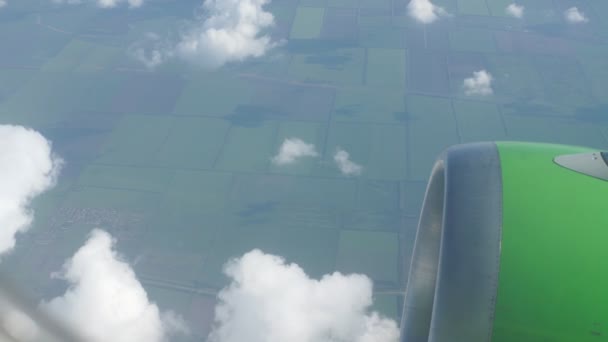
(512, 245)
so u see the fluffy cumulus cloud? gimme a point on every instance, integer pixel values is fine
(105, 301)
(231, 32)
(515, 10)
(104, 3)
(575, 16)
(346, 166)
(425, 11)
(479, 84)
(292, 150)
(228, 31)
(19, 326)
(272, 301)
(152, 51)
(28, 168)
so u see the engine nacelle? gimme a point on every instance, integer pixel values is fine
(512, 245)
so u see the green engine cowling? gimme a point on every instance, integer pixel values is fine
(512, 245)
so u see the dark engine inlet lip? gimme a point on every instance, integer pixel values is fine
(453, 280)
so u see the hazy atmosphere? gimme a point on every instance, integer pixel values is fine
(253, 170)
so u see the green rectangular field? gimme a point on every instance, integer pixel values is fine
(382, 37)
(312, 3)
(127, 178)
(172, 228)
(369, 105)
(342, 3)
(309, 133)
(378, 18)
(432, 128)
(479, 121)
(336, 66)
(473, 7)
(563, 82)
(12, 79)
(205, 95)
(49, 98)
(248, 148)
(162, 267)
(287, 216)
(136, 140)
(148, 93)
(270, 191)
(101, 57)
(386, 68)
(307, 23)
(375, 254)
(376, 4)
(516, 78)
(374, 221)
(83, 56)
(388, 153)
(472, 39)
(378, 207)
(30, 44)
(378, 196)
(89, 197)
(192, 143)
(69, 57)
(190, 228)
(291, 202)
(97, 91)
(198, 191)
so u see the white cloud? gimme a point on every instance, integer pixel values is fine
(104, 3)
(105, 301)
(3, 3)
(515, 10)
(229, 31)
(272, 301)
(573, 15)
(28, 168)
(479, 84)
(293, 149)
(425, 11)
(346, 166)
(152, 51)
(18, 325)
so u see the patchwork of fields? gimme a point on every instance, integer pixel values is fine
(176, 162)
